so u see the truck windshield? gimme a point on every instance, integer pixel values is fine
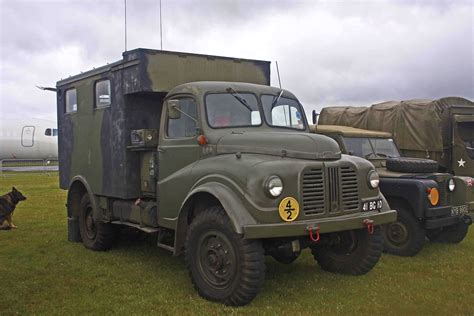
(232, 110)
(371, 147)
(282, 112)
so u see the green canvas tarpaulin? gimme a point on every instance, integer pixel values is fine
(416, 125)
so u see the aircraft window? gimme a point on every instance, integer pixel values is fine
(102, 93)
(55, 132)
(71, 101)
(47, 132)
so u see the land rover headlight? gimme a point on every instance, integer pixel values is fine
(451, 185)
(274, 186)
(373, 179)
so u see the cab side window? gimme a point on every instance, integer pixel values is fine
(185, 125)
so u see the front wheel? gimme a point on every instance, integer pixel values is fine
(452, 234)
(353, 252)
(223, 266)
(404, 237)
(95, 235)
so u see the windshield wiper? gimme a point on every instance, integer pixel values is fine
(236, 95)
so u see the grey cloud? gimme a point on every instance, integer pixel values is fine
(329, 52)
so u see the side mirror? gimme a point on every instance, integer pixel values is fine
(173, 109)
(315, 117)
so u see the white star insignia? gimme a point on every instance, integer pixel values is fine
(461, 163)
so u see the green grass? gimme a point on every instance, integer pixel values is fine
(42, 273)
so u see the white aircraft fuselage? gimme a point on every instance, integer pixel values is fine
(28, 139)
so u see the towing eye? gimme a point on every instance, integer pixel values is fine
(370, 225)
(311, 236)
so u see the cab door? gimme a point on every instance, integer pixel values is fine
(178, 152)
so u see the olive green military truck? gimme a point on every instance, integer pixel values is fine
(441, 130)
(174, 144)
(428, 203)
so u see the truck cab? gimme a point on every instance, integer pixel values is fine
(200, 151)
(428, 203)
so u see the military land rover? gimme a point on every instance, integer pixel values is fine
(223, 171)
(441, 130)
(428, 203)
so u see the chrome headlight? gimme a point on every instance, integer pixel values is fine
(373, 179)
(451, 185)
(274, 186)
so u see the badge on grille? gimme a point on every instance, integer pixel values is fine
(289, 209)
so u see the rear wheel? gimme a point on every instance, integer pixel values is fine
(95, 235)
(354, 252)
(404, 237)
(451, 234)
(223, 266)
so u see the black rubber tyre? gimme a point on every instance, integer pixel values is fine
(223, 266)
(284, 258)
(97, 236)
(356, 253)
(453, 234)
(404, 237)
(412, 165)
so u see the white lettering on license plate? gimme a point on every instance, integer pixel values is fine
(372, 205)
(459, 210)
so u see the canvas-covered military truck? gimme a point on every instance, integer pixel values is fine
(223, 171)
(441, 130)
(428, 203)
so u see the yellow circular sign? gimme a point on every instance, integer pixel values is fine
(289, 209)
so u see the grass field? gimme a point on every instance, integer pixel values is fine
(42, 273)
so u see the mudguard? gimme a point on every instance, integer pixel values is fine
(93, 197)
(412, 191)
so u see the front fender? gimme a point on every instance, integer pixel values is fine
(232, 204)
(412, 191)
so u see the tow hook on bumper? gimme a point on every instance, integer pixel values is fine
(370, 225)
(315, 236)
(311, 236)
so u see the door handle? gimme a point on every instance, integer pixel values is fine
(161, 150)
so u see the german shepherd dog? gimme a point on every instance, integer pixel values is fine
(8, 203)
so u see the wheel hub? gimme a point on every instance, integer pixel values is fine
(216, 258)
(397, 233)
(90, 224)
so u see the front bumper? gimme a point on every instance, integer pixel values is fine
(437, 217)
(326, 225)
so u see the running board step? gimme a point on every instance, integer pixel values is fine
(166, 239)
(146, 229)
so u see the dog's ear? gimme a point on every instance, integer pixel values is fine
(13, 189)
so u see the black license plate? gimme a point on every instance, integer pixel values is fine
(374, 205)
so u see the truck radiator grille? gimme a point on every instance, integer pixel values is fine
(313, 192)
(349, 190)
(341, 187)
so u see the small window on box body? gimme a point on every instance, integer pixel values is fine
(102, 93)
(71, 101)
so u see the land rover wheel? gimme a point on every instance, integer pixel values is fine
(95, 235)
(223, 266)
(412, 165)
(353, 252)
(404, 237)
(452, 234)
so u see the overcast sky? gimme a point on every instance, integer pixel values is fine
(328, 52)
